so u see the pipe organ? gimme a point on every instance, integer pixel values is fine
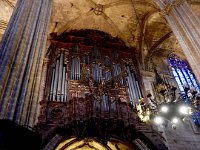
(91, 89)
(103, 74)
(99, 77)
(58, 81)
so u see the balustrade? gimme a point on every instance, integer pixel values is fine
(84, 109)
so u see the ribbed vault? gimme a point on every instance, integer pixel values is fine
(140, 24)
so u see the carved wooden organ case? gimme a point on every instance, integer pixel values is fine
(90, 80)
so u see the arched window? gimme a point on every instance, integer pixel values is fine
(182, 73)
(75, 69)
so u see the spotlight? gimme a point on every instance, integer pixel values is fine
(164, 109)
(183, 110)
(158, 120)
(175, 120)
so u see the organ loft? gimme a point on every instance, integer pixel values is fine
(92, 82)
(99, 74)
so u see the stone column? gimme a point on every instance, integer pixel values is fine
(186, 27)
(21, 58)
(42, 87)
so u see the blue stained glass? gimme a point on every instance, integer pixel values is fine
(182, 73)
(187, 77)
(177, 80)
(196, 118)
(194, 81)
(184, 76)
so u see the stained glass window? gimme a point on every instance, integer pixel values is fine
(182, 73)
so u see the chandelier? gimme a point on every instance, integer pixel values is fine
(169, 106)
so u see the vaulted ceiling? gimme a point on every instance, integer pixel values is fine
(139, 23)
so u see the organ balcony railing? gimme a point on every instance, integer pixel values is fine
(84, 109)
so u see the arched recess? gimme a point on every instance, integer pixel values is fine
(153, 42)
(65, 138)
(142, 39)
(154, 49)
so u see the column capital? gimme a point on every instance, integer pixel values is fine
(176, 3)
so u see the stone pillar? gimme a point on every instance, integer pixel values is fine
(21, 58)
(186, 27)
(42, 86)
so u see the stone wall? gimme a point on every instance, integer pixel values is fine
(185, 136)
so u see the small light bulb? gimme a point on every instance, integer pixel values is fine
(183, 110)
(164, 109)
(175, 120)
(158, 120)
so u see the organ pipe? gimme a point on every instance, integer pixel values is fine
(105, 103)
(113, 106)
(108, 75)
(72, 69)
(100, 74)
(59, 92)
(58, 81)
(117, 71)
(63, 85)
(52, 83)
(139, 92)
(75, 69)
(97, 73)
(130, 89)
(130, 83)
(58, 89)
(55, 80)
(134, 84)
(79, 69)
(76, 65)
